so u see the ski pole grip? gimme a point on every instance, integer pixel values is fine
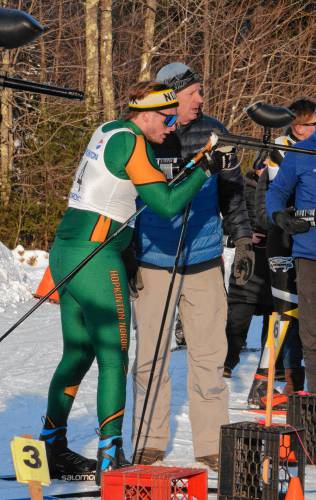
(307, 214)
(208, 147)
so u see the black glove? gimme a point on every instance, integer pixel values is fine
(134, 277)
(244, 261)
(287, 221)
(217, 160)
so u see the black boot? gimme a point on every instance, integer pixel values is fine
(110, 456)
(64, 463)
(258, 391)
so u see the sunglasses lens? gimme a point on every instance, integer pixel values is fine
(170, 120)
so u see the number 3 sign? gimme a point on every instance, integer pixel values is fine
(30, 462)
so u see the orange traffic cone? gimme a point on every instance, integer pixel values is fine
(47, 284)
(295, 491)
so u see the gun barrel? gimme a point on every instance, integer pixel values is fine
(40, 88)
(253, 143)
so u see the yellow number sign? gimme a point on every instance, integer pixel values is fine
(30, 462)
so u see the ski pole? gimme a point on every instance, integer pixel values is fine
(196, 158)
(272, 336)
(162, 325)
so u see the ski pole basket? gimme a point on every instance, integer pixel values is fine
(148, 482)
(245, 447)
(301, 412)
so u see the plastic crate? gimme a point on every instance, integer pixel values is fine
(146, 482)
(244, 447)
(301, 412)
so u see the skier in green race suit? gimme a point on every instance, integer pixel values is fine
(117, 166)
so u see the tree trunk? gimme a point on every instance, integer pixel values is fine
(206, 58)
(150, 17)
(106, 77)
(6, 140)
(92, 57)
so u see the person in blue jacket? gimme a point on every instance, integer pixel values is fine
(199, 288)
(297, 176)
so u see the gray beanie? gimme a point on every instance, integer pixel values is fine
(177, 75)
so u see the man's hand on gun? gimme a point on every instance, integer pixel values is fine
(289, 222)
(216, 158)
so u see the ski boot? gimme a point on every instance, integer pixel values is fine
(64, 463)
(258, 392)
(110, 456)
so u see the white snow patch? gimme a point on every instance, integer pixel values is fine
(14, 281)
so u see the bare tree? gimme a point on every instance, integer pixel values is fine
(244, 51)
(92, 56)
(6, 139)
(106, 79)
(146, 56)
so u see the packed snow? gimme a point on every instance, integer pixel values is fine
(29, 356)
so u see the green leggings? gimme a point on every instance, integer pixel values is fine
(95, 315)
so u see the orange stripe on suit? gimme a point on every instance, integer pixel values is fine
(139, 168)
(118, 414)
(101, 229)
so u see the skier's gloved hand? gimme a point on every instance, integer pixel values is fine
(287, 221)
(217, 160)
(244, 261)
(134, 277)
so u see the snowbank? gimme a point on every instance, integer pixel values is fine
(20, 271)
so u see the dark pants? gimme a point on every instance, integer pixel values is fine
(306, 287)
(238, 322)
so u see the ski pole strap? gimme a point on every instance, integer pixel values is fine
(308, 214)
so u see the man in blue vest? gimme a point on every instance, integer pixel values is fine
(198, 290)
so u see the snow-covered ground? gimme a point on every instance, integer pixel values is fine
(29, 355)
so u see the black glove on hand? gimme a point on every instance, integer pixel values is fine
(244, 261)
(217, 160)
(134, 277)
(287, 221)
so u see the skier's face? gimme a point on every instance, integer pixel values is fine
(190, 103)
(158, 124)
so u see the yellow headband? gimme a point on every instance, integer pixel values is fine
(161, 99)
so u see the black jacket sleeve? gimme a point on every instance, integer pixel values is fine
(232, 202)
(262, 219)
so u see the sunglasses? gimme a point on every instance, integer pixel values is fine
(169, 120)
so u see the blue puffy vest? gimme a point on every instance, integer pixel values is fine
(157, 238)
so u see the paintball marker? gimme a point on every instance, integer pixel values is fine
(269, 117)
(16, 29)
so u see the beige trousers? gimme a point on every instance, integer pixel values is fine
(203, 311)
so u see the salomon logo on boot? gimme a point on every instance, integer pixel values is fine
(110, 456)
